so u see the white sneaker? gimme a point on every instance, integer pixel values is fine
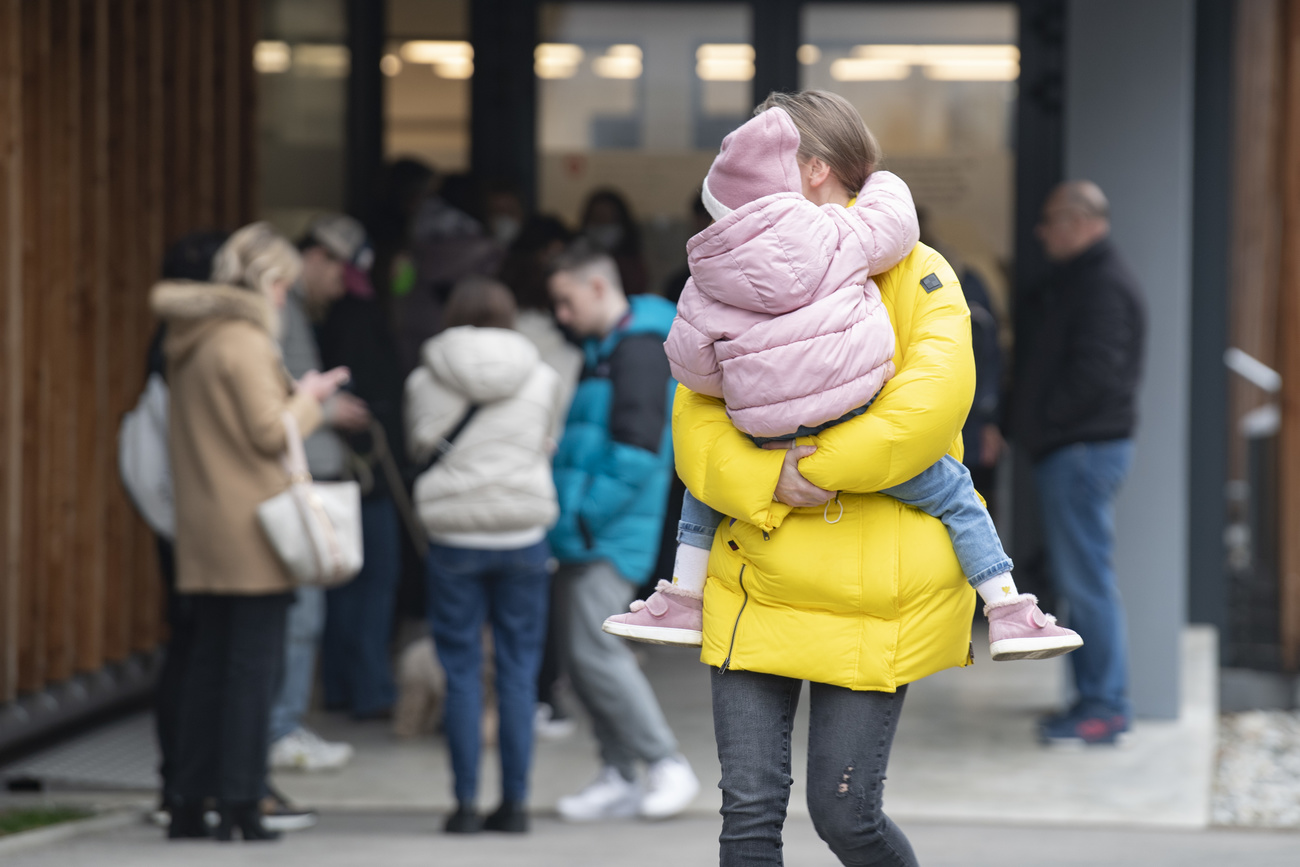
(609, 796)
(304, 750)
(670, 787)
(550, 728)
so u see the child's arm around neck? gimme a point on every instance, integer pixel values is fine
(884, 215)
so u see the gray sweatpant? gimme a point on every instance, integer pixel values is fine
(624, 711)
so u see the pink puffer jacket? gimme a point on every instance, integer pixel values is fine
(780, 318)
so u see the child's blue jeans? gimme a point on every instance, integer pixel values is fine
(944, 491)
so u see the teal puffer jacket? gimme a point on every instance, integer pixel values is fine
(613, 464)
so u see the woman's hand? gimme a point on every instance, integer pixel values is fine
(323, 385)
(791, 487)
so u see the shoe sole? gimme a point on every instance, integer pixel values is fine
(1033, 648)
(656, 634)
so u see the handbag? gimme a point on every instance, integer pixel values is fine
(314, 527)
(143, 458)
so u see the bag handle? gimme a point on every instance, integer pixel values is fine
(295, 457)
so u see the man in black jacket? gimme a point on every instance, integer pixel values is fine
(1075, 411)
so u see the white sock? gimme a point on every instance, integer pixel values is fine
(999, 588)
(690, 569)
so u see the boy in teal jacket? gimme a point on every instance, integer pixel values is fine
(612, 475)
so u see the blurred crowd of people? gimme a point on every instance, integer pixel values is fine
(420, 352)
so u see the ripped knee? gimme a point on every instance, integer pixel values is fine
(846, 780)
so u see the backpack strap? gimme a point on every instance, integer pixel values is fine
(449, 438)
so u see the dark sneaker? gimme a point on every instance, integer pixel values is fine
(510, 818)
(465, 820)
(279, 814)
(1083, 727)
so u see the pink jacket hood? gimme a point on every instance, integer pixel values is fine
(780, 317)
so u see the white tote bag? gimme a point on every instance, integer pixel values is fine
(314, 527)
(144, 458)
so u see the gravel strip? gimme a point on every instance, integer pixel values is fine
(1258, 779)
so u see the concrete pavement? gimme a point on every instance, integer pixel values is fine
(406, 840)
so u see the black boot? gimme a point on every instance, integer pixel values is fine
(464, 821)
(186, 820)
(247, 817)
(510, 817)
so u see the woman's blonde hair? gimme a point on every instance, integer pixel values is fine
(831, 130)
(256, 257)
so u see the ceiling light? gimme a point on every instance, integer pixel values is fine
(715, 69)
(323, 61)
(957, 71)
(556, 60)
(869, 69)
(725, 51)
(619, 61)
(949, 62)
(809, 54)
(270, 58)
(436, 51)
(457, 69)
(390, 65)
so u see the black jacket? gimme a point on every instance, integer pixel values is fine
(355, 333)
(1080, 358)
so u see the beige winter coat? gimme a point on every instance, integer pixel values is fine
(228, 393)
(494, 487)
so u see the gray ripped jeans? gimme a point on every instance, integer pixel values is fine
(849, 738)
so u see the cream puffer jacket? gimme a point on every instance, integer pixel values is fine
(494, 487)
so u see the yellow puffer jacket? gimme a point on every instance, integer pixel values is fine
(877, 599)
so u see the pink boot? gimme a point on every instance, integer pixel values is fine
(669, 616)
(1019, 630)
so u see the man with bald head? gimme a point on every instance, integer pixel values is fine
(1075, 413)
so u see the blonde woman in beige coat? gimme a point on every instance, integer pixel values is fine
(229, 392)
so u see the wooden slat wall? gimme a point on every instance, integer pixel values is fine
(1288, 340)
(123, 125)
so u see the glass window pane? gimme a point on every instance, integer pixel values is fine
(428, 64)
(302, 64)
(936, 83)
(637, 97)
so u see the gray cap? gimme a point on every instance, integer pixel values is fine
(344, 237)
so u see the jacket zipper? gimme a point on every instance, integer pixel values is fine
(726, 663)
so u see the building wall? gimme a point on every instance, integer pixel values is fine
(123, 126)
(1129, 113)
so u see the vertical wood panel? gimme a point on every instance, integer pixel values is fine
(1288, 322)
(11, 329)
(32, 599)
(91, 334)
(249, 27)
(59, 388)
(1257, 218)
(205, 142)
(123, 125)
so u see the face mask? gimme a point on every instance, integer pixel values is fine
(606, 236)
(505, 230)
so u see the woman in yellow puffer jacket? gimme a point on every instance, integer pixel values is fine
(860, 606)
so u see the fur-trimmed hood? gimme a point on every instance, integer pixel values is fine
(192, 310)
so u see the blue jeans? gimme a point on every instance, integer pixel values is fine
(850, 735)
(511, 590)
(306, 621)
(943, 491)
(1077, 485)
(356, 664)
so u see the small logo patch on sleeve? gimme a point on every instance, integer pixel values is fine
(931, 282)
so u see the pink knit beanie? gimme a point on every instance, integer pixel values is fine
(758, 159)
